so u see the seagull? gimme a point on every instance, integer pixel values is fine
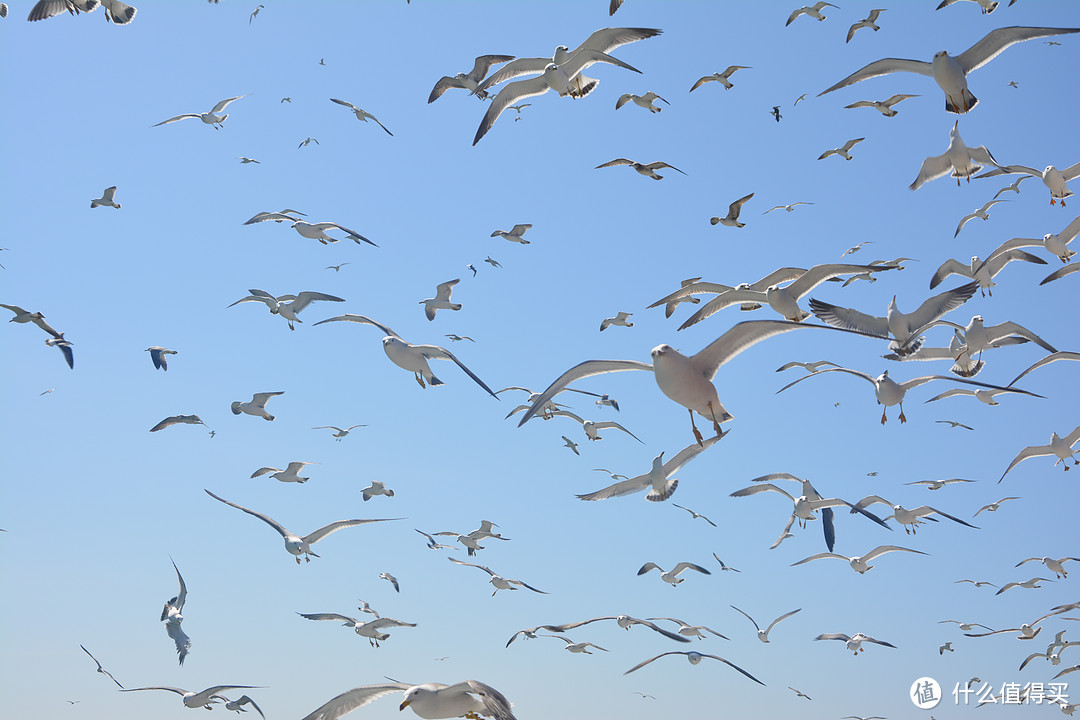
(498, 581)
(614, 476)
(177, 419)
(980, 213)
(458, 338)
(694, 658)
(723, 567)
(1053, 357)
(295, 544)
(102, 670)
(582, 647)
(813, 11)
(909, 518)
(1031, 584)
(966, 627)
(623, 621)
(390, 579)
(470, 80)
(672, 301)
(854, 642)
(903, 328)
(888, 392)
(695, 516)
(672, 577)
(413, 358)
(254, 14)
(287, 306)
(784, 300)
(492, 262)
(571, 444)
(376, 488)
(157, 355)
(658, 479)
(238, 704)
(1055, 180)
(277, 217)
(724, 78)
(858, 563)
(322, 61)
(868, 22)
(978, 584)
(433, 544)
(620, 320)
(192, 699)
(257, 405)
(1054, 244)
(646, 101)
(882, 106)
(365, 607)
(429, 700)
(763, 635)
(244, 161)
(210, 118)
(521, 106)
(307, 141)
(317, 231)
(564, 78)
(843, 151)
(608, 401)
(285, 99)
(361, 115)
(788, 208)
(732, 217)
(938, 484)
(106, 199)
(992, 507)
(687, 380)
(289, 474)
(648, 170)
(170, 615)
(1015, 187)
(472, 267)
(1059, 446)
(592, 429)
(962, 160)
(514, 234)
(65, 347)
(799, 693)
(441, 301)
(950, 73)
(775, 112)
(689, 630)
(1056, 566)
(983, 396)
(602, 41)
(811, 367)
(338, 433)
(25, 316)
(982, 271)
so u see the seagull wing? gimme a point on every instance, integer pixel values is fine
(330, 616)
(183, 642)
(508, 96)
(441, 353)
(269, 521)
(582, 370)
(646, 662)
(617, 426)
(752, 620)
(737, 339)
(307, 297)
(687, 454)
(221, 105)
(362, 320)
(849, 319)
(819, 556)
(782, 617)
(322, 532)
(856, 373)
(185, 116)
(882, 67)
(623, 487)
(348, 701)
(765, 487)
(998, 40)
(882, 549)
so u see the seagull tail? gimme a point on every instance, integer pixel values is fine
(967, 101)
(912, 346)
(433, 381)
(668, 491)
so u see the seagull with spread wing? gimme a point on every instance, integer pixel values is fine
(210, 118)
(361, 115)
(498, 581)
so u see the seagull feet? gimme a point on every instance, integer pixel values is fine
(902, 418)
(697, 433)
(419, 379)
(297, 561)
(883, 418)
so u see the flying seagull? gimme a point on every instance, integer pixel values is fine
(257, 405)
(338, 433)
(694, 658)
(102, 670)
(763, 635)
(646, 169)
(157, 355)
(724, 78)
(885, 107)
(171, 616)
(295, 544)
(106, 199)
(470, 80)
(361, 115)
(210, 118)
(813, 11)
(657, 480)
(430, 700)
(732, 217)
(192, 699)
(950, 73)
(178, 419)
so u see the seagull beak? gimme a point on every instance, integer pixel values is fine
(404, 705)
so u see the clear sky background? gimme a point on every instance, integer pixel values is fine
(94, 505)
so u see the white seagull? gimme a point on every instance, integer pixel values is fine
(689, 630)
(658, 479)
(962, 160)
(157, 355)
(694, 658)
(102, 670)
(238, 704)
(870, 21)
(1059, 446)
(687, 380)
(338, 433)
(287, 306)
(176, 420)
(361, 115)
(646, 169)
(672, 576)
(621, 319)
(763, 635)
(813, 11)
(843, 151)
(289, 474)
(172, 617)
(623, 621)
(910, 519)
(1055, 180)
(376, 488)
(514, 234)
(1055, 244)
(192, 699)
(498, 581)
(571, 646)
(257, 405)
(885, 107)
(981, 213)
(950, 73)
(106, 199)
(441, 301)
(295, 544)
(470, 80)
(1056, 566)
(646, 101)
(853, 642)
(370, 630)
(732, 217)
(859, 562)
(413, 358)
(210, 118)
(788, 208)
(724, 78)
(982, 271)
(317, 231)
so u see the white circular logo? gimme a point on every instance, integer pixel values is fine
(925, 693)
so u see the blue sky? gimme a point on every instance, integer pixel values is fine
(94, 505)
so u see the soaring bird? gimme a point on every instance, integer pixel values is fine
(172, 617)
(470, 80)
(361, 115)
(470, 698)
(210, 118)
(962, 160)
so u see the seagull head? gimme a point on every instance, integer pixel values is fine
(661, 350)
